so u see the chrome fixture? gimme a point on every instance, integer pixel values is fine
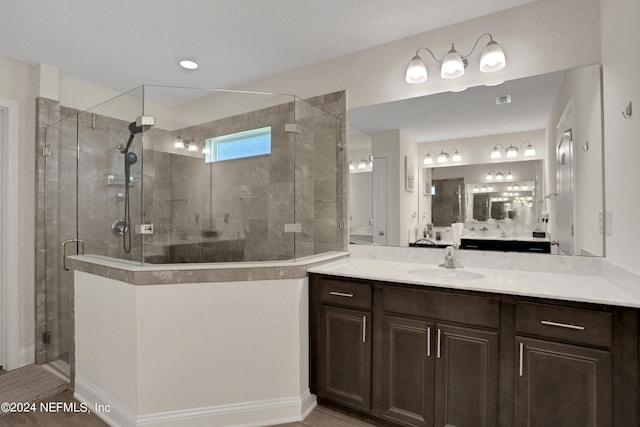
(453, 64)
(443, 157)
(512, 151)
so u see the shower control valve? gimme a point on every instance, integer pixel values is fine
(144, 229)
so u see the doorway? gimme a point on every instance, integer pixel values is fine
(380, 206)
(564, 183)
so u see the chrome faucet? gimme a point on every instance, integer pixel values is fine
(450, 259)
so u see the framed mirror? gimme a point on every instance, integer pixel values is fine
(535, 112)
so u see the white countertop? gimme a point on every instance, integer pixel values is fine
(568, 287)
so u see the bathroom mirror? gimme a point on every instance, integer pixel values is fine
(537, 110)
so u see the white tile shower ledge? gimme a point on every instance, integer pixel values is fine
(157, 274)
(598, 289)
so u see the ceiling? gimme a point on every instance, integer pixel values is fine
(122, 44)
(465, 114)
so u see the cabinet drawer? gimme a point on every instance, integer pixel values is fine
(564, 323)
(468, 309)
(345, 293)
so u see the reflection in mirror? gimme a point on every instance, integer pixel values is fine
(361, 187)
(534, 112)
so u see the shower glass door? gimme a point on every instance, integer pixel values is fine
(55, 224)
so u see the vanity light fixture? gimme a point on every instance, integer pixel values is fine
(475, 189)
(509, 176)
(512, 150)
(192, 146)
(206, 150)
(362, 164)
(179, 143)
(499, 176)
(352, 167)
(489, 176)
(453, 64)
(443, 157)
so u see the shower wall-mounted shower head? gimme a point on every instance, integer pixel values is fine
(134, 128)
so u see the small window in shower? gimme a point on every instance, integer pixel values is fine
(249, 143)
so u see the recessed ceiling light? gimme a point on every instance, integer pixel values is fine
(461, 89)
(494, 84)
(188, 64)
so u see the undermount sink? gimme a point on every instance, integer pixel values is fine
(443, 273)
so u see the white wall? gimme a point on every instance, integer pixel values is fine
(538, 37)
(228, 353)
(19, 83)
(621, 62)
(408, 200)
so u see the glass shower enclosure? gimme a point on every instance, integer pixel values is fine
(164, 175)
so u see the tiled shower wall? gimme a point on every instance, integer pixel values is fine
(226, 211)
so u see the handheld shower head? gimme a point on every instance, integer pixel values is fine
(134, 129)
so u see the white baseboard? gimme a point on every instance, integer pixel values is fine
(116, 416)
(248, 414)
(26, 356)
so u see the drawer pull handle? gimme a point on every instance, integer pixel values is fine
(341, 294)
(428, 341)
(364, 328)
(562, 325)
(521, 359)
(438, 350)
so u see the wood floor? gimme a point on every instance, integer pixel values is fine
(319, 417)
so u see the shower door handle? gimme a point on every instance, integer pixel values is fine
(64, 250)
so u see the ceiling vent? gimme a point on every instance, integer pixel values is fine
(504, 99)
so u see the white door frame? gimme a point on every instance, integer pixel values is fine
(9, 287)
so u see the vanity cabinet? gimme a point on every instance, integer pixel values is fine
(564, 378)
(432, 371)
(411, 355)
(342, 345)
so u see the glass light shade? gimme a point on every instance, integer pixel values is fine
(428, 160)
(499, 176)
(362, 164)
(416, 71)
(492, 58)
(475, 189)
(192, 147)
(510, 187)
(457, 157)
(206, 150)
(489, 177)
(452, 66)
(529, 151)
(178, 143)
(483, 189)
(490, 187)
(352, 166)
(496, 154)
(443, 157)
(509, 175)
(512, 152)
(525, 187)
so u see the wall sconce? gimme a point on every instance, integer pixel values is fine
(179, 143)
(453, 64)
(512, 151)
(443, 157)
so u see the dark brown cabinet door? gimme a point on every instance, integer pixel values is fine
(562, 385)
(344, 356)
(407, 371)
(466, 377)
